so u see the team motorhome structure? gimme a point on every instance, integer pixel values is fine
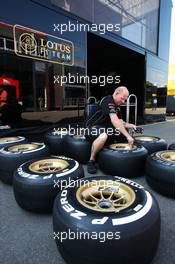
(62, 56)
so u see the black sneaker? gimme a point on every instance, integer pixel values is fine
(91, 167)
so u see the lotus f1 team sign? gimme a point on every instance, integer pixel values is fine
(40, 46)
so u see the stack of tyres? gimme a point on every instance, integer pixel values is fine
(9, 141)
(106, 220)
(160, 172)
(78, 147)
(13, 156)
(151, 143)
(123, 160)
(37, 182)
(55, 140)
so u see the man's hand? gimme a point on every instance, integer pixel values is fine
(139, 130)
(132, 126)
(118, 124)
(130, 140)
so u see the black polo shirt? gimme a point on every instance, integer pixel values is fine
(104, 108)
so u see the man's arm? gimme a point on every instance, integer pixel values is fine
(129, 125)
(118, 124)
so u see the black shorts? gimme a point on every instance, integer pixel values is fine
(95, 131)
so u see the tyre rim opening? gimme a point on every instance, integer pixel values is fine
(166, 156)
(122, 146)
(48, 166)
(105, 196)
(8, 139)
(146, 138)
(23, 148)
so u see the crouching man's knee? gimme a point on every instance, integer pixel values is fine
(103, 137)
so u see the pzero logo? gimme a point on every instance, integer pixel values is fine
(41, 46)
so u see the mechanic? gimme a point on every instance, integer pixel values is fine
(107, 115)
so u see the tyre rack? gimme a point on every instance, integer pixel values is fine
(128, 105)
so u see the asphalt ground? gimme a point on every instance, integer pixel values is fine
(27, 238)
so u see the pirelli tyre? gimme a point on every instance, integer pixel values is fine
(9, 141)
(13, 156)
(78, 147)
(160, 172)
(151, 143)
(37, 182)
(106, 219)
(123, 160)
(55, 140)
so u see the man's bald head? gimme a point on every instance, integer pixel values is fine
(121, 89)
(120, 95)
